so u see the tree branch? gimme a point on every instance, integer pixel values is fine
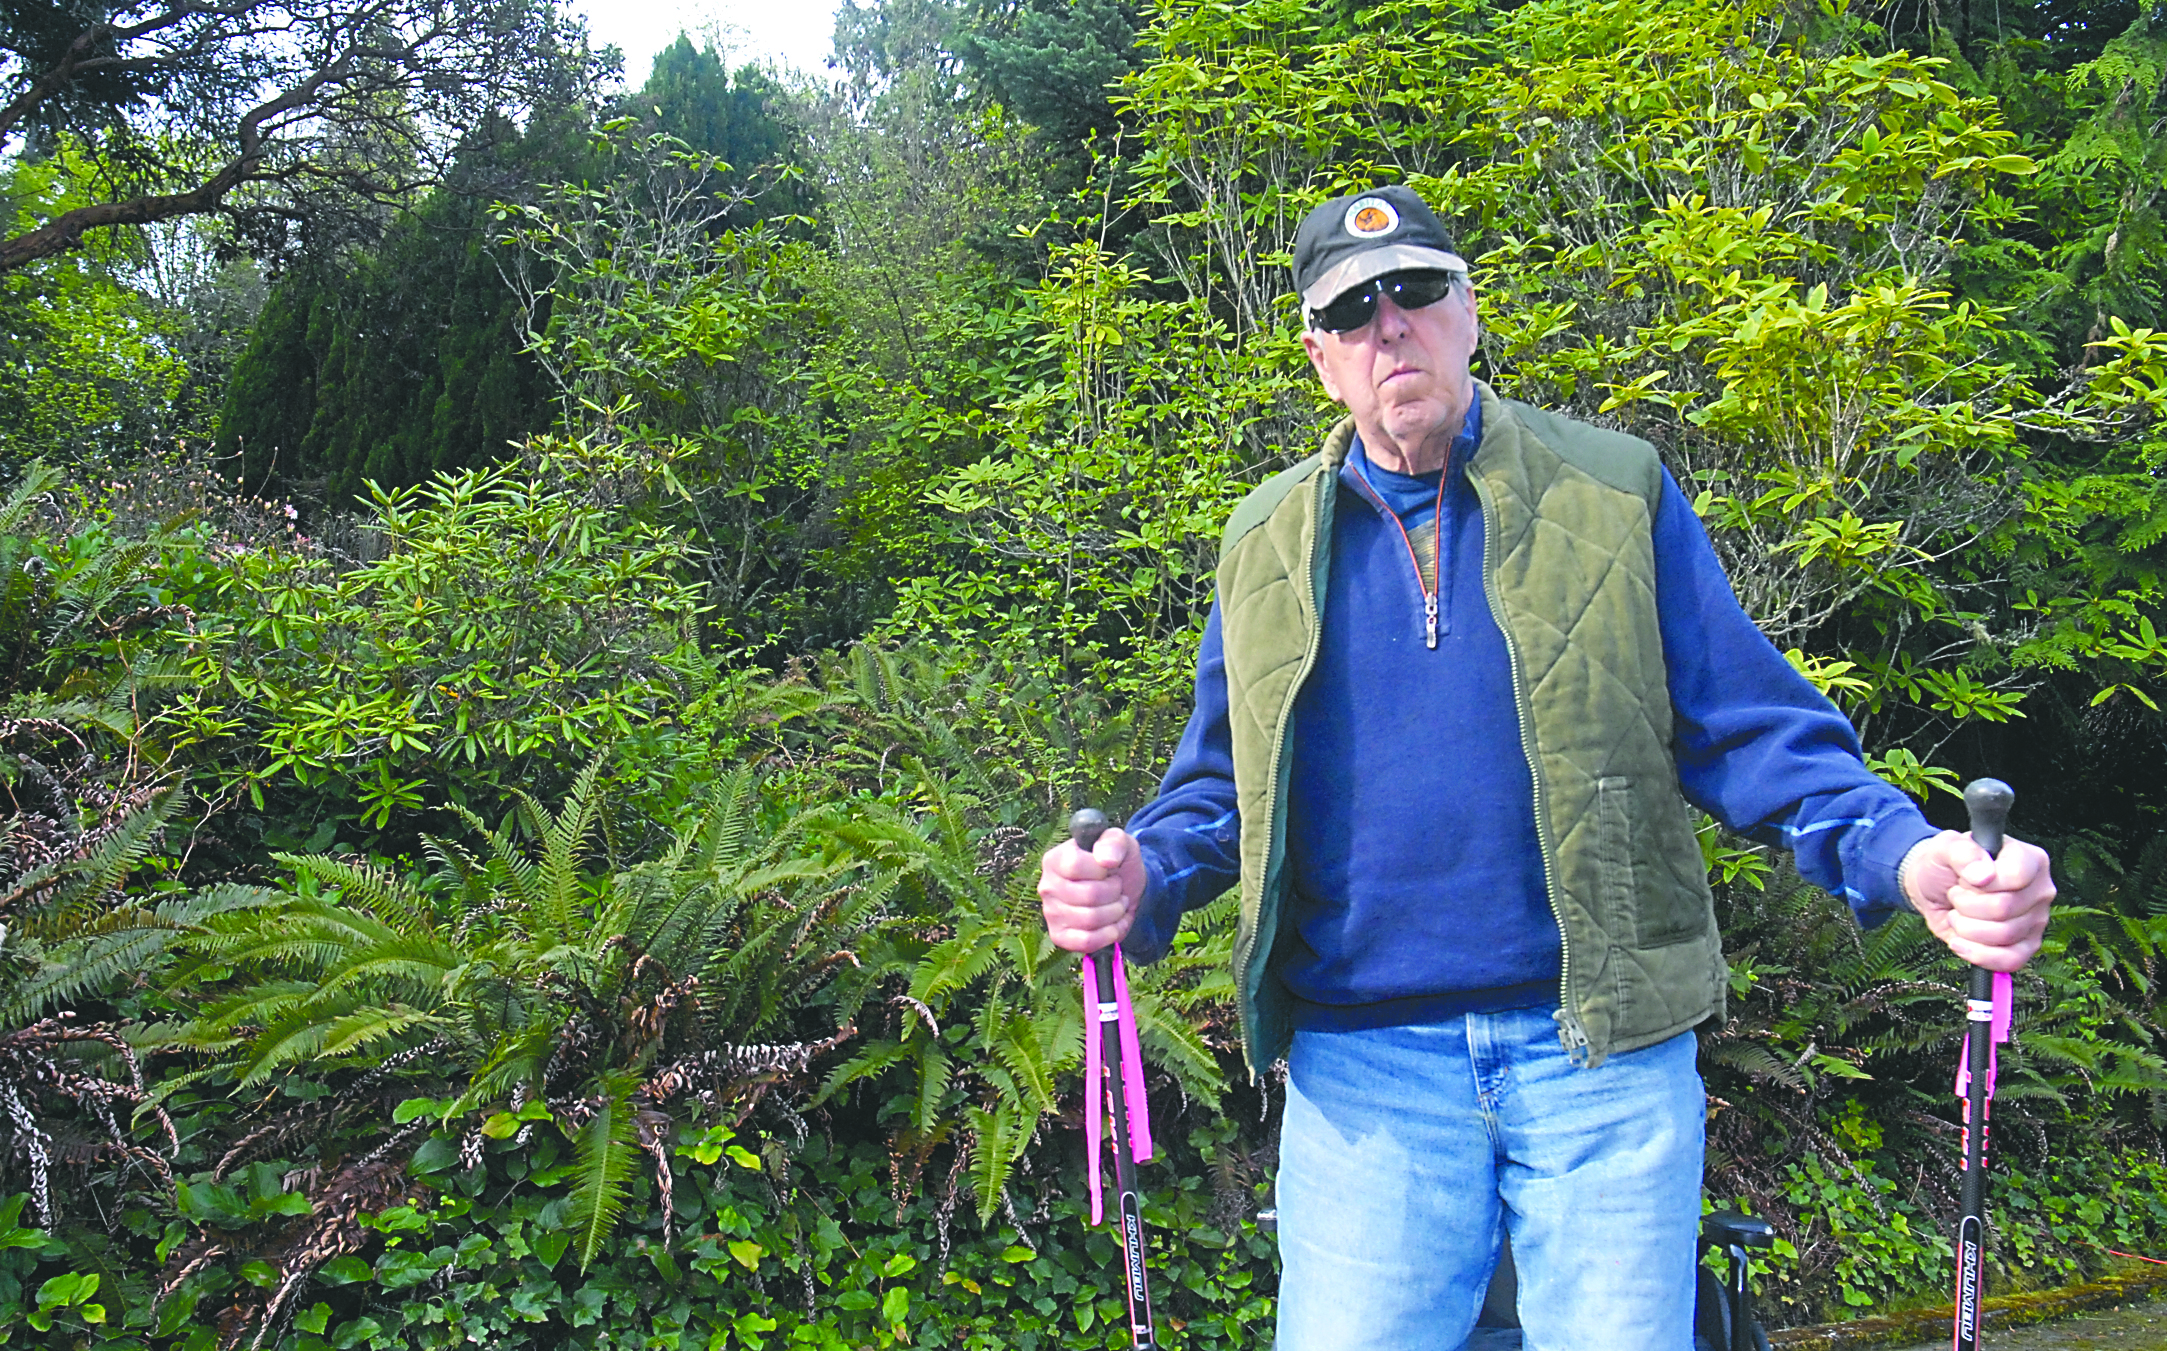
(66, 230)
(78, 59)
(207, 58)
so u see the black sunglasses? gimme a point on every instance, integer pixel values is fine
(1409, 291)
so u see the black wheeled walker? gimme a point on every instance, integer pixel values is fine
(1722, 1308)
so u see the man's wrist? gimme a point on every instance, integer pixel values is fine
(1874, 864)
(1907, 871)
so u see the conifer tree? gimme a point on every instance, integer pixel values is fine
(396, 362)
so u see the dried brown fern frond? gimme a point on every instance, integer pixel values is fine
(332, 1229)
(733, 1079)
(43, 1076)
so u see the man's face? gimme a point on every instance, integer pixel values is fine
(1404, 374)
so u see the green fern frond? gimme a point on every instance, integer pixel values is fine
(996, 1143)
(954, 964)
(312, 934)
(117, 951)
(1029, 1066)
(521, 878)
(2041, 1093)
(520, 1057)
(458, 863)
(1174, 1042)
(369, 885)
(729, 815)
(934, 1070)
(605, 1152)
(871, 1059)
(364, 1028)
(564, 840)
(1755, 1061)
(82, 714)
(72, 890)
(425, 970)
(873, 672)
(39, 478)
(292, 1040)
(683, 928)
(1215, 915)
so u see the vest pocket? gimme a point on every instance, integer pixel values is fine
(1648, 916)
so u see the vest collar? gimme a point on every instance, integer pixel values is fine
(1340, 443)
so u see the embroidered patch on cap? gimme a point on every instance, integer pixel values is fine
(1370, 217)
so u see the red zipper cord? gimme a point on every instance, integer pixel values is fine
(2117, 1252)
(1431, 589)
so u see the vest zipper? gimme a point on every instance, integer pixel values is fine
(1245, 957)
(1572, 1035)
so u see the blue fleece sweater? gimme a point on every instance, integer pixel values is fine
(1417, 879)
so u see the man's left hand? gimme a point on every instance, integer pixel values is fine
(1992, 912)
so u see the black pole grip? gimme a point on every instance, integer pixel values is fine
(1086, 826)
(1988, 801)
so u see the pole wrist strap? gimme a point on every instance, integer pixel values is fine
(1997, 1014)
(1122, 1013)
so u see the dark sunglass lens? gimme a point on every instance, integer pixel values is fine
(1413, 290)
(1409, 291)
(1349, 311)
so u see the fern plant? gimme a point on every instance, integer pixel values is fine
(71, 931)
(540, 989)
(987, 1027)
(1841, 1044)
(950, 768)
(83, 801)
(2096, 1030)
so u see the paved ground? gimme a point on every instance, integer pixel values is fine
(2142, 1327)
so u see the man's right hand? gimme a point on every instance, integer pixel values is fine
(1090, 899)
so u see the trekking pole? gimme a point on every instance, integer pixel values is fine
(1987, 1013)
(1114, 1075)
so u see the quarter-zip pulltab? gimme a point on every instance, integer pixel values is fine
(1433, 586)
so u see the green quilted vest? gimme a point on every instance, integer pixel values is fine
(1570, 574)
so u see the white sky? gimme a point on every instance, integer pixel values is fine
(792, 32)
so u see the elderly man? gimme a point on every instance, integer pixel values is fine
(1466, 668)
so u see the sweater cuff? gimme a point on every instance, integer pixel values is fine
(1878, 892)
(1158, 915)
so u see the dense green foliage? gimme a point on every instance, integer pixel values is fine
(89, 365)
(388, 370)
(399, 361)
(578, 888)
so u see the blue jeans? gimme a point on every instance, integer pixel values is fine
(1407, 1150)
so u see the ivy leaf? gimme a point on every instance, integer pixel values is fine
(549, 1246)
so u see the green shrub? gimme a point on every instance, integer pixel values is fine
(769, 1244)
(499, 627)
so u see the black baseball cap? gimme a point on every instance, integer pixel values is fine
(1364, 235)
